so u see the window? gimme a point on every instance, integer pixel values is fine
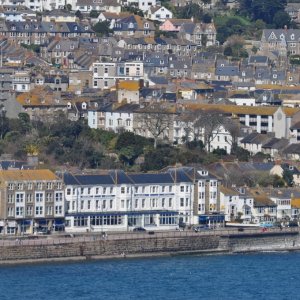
(182, 188)
(49, 185)
(39, 185)
(19, 211)
(181, 202)
(136, 203)
(186, 201)
(111, 204)
(143, 203)
(68, 191)
(170, 202)
(122, 190)
(29, 210)
(39, 210)
(10, 186)
(49, 210)
(39, 197)
(58, 209)
(10, 198)
(48, 197)
(29, 198)
(20, 186)
(19, 198)
(122, 203)
(10, 211)
(163, 202)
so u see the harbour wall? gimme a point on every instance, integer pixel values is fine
(144, 245)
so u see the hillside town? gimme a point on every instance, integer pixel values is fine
(161, 115)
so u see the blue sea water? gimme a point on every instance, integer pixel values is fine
(252, 276)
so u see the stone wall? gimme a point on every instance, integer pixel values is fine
(151, 246)
(110, 248)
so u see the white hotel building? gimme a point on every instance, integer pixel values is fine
(117, 201)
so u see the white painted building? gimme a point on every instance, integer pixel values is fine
(120, 202)
(159, 13)
(21, 81)
(114, 119)
(242, 99)
(106, 74)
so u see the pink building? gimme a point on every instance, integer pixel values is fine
(173, 24)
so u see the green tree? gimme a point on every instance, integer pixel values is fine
(228, 51)
(281, 19)
(102, 28)
(262, 9)
(287, 176)
(206, 18)
(189, 11)
(68, 7)
(79, 15)
(94, 14)
(25, 124)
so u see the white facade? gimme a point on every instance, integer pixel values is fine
(145, 5)
(21, 81)
(243, 101)
(117, 121)
(124, 206)
(160, 14)
(106, 74)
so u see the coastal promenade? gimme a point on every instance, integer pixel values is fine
(36, 240)
(37, 249)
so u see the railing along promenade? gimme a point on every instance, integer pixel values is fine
(110, 236)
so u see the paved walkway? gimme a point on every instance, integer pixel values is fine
(78, 238)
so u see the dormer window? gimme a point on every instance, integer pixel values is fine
(13, 27)
(146, 25)
(72, 46)
(57, 46)
(86, 28)
(83, 105)
(282, 36)
(51, 27)
(292, 36)
(274, 75)
(75, 28)
(131, 25)
(26, 26)
(222, 65)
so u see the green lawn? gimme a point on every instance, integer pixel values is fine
(222, 19)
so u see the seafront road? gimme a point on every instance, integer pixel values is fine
(64, 238)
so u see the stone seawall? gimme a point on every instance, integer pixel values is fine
(150, 247)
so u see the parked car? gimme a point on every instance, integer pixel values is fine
(201, 228)
(42, 230)
(140, 229)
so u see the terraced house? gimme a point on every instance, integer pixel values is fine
(282, 40)
(116, 201)
(38, 33)
(30, 200)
